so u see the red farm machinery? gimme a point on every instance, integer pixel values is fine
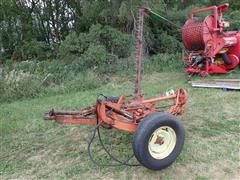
(158, 136)
(210, 50)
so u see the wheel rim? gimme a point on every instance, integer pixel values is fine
(162, 142)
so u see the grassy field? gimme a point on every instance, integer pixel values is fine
(33, 148)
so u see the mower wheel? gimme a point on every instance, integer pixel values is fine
(158, 140)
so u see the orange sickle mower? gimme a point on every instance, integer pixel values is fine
(158, 136)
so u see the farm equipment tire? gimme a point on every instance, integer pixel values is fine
(158, 140)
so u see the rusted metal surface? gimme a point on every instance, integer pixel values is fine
(217, 83)
(72, 117)
(181, 100)
(138, 51)
(124, 115)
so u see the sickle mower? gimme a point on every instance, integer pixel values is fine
(210, 50)
(158, 136)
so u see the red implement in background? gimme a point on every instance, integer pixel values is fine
(210, 50)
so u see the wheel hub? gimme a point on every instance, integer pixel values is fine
(162, 142)
(159, 140)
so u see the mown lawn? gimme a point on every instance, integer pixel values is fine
(33, 148)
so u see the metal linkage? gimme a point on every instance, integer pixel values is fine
(72, 117)
(124, 115)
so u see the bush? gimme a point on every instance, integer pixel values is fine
(34, 50)
(105, 39)
(18, 84)
(2, 90)
(117, 42)
(73, 46)
(164, 62)
(106, 63)
(163, 43)
(84, 81)
(56, 71)
(95, 56)
(30, 79)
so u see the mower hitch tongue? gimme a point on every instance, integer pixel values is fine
(158, 136)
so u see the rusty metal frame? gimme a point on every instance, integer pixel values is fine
(121, 115)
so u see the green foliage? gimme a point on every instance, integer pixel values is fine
(118, 43)
(102, 45)
(83, 81)
(34, 79)
(30, 30)
(123, 12)
(57, 42)
(73, 46)
(29, 79)
(114, 40)
(34, 50)
(164, 62)
(94, 56)
(163, 43)
(234, 20)
(18, 84)
(234, 4)
(77, 65)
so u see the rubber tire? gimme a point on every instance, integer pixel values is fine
(144, 132)
(113, 99)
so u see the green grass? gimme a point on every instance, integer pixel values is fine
(33, 148)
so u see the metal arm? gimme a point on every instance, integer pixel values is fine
(158, 17)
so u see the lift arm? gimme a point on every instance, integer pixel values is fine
(158, 17)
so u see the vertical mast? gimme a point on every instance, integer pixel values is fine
(138, 52)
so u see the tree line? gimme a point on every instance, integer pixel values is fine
(37, 29)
